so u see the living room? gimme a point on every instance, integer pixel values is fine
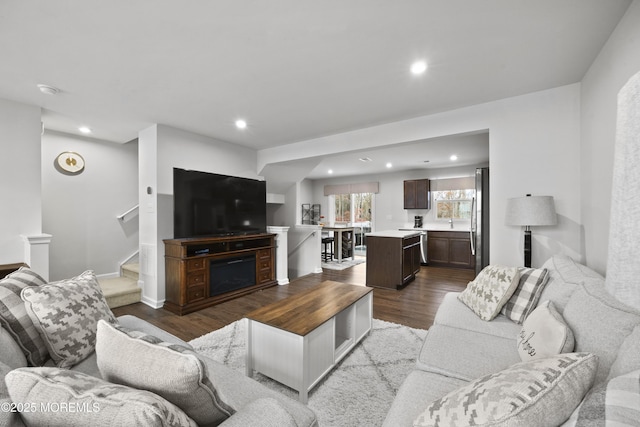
(556, 140)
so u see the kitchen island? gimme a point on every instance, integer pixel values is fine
(393, 258)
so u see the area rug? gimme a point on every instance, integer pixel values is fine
(357, 392)
(346, 263)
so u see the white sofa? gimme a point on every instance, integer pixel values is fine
(139, 362)
(460, 348)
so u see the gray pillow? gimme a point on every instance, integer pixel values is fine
(621, 401)
(525, 298)
(61, 397)
(490, 290)
(66, 314)
(170, 370)
(534, 393)
(565, 275)
(14, 317)
(600, 323)
(10, 351)
(628, 357)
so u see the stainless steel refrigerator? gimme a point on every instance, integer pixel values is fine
(480, 220)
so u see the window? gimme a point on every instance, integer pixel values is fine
(359, 215)
(453, 204)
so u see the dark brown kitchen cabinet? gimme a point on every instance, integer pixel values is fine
(392, 262)
(417, 194)
(449, 249)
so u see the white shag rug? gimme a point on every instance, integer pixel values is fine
(346, 263)
(358, 391)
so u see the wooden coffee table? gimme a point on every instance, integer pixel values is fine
(298, 340)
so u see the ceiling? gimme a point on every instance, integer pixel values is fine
(294, 70)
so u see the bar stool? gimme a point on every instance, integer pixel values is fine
(327, 242)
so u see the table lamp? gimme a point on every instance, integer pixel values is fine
(530, 211)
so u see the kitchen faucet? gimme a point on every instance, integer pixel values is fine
(451, 222)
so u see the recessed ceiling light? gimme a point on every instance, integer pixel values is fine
(330, 171)
(418, 67)
(241, 124)
(364, 159)
(388, 165)
(84, 129)
(453, 157)
(48, 90)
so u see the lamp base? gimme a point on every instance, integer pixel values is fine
(527, 247)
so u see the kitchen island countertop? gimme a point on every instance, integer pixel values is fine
(394, 233)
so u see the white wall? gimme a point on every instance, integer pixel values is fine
(534, 144)
(80, 210)
(617, 62)
(20, 175)
(161, 149)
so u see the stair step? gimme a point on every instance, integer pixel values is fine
(131, 270)
(120, 291)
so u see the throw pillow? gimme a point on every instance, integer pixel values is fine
(490, 290)
(14, 317)
(628, 357)
(66, 314)
(525, 298)
(622, 401)
(170, 370)
(538, 392)
(54, 396)
(544, 334)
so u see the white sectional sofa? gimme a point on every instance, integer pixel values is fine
(130, 373)
(461, 348)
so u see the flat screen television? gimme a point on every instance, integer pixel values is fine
(208, 204)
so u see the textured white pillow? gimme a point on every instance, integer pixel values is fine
(544, 333)
(538, 392)
(62, 397)
(490, 290)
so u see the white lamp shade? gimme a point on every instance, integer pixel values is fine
(531, 210)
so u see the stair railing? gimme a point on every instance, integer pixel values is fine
(128, 214)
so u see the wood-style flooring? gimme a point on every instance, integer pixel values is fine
(415, 305)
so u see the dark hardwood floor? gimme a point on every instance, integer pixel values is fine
(415, 305)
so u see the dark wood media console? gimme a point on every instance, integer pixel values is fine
(201, 272)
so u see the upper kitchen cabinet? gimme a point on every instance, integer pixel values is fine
(417, 194)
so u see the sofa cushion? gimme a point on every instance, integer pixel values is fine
(525, 298)
(417, 390)
(465, 355)
(600, 323)
(622, 401)
(238, 390)
(14, 317)
(265, 412)
(544, 334)
(537, 392)
(565, 275)
(174, 372)
(66, 314)
(490, 290)
(64, 397)
(9, 416)
(628, 357)
(453, 312)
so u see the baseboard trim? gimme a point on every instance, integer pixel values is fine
(108, 275)
(151, 302)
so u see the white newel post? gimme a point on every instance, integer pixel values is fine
(36, 253)
(282, 265)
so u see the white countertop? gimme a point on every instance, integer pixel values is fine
(395, 233)
(443, 227)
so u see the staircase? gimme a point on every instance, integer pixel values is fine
(123, 290)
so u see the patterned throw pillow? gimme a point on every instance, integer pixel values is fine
(490, 290)
(54, 396)
(14, 317)
(544, 334)
(525, 298)
(172, 371)
(622, 401)
(534, 393)
(66, 314)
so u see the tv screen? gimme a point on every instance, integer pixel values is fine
(209, 204)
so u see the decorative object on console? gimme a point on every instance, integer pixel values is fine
(544, 334)
(69, 163)
(530, 211)
(538, 392)
(490, 290)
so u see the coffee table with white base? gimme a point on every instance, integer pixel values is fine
(298, 340)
